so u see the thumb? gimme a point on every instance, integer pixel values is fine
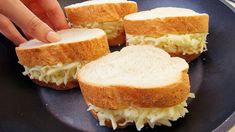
(27, 21)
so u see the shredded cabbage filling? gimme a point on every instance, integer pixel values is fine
(59, 73)
(112, 28)
(172, 43)
(141, 116)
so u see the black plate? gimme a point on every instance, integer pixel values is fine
(27, 107)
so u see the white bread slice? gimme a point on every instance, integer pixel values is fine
(99, 11)
(104, 14)
(137, 76)
(166, 20)
(75, 45)
(183, 30)
(55, 65)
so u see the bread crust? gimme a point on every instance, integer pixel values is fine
(99, 12)
(63, 53)
(119, 39)
(187, 57)
(71, 84)
(170, 25)
(116, 97)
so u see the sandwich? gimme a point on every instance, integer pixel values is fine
(180, 32)
(138, 85)
(55, 65)
(104, 14)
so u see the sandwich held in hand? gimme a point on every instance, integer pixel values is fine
(104, 14)
(138, 85)
(181, 32)
(56, 64)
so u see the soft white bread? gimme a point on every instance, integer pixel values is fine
(104, 14)
(138, 76)
(55, 65)
(75, 45)
(178, 31)
(138, 85)
(99, 11)
(166, 20)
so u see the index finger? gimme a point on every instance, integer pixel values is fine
(54, 12)
(38, 11)
(27, 21)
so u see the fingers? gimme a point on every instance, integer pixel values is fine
(27, 21)
(38, 11)
(9, 30)
(54, 13)
(28, 37)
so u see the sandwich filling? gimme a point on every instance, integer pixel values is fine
(172, 43)
(141, 116)
(112, 28)
(59, 73)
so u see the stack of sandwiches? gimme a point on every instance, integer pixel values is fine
(146, 83)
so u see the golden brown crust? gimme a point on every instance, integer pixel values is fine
(116, 97)
(187, 57)
(71, 84)
(63, 53)
(99, 12)
(169, 25)
(119, 39)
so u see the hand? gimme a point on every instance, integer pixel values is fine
(36, 18)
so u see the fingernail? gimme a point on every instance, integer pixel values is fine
(53, 37)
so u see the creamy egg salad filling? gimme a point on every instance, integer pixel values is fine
(141, 116)
(171, 43)
(59, 73)
(112, 29)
